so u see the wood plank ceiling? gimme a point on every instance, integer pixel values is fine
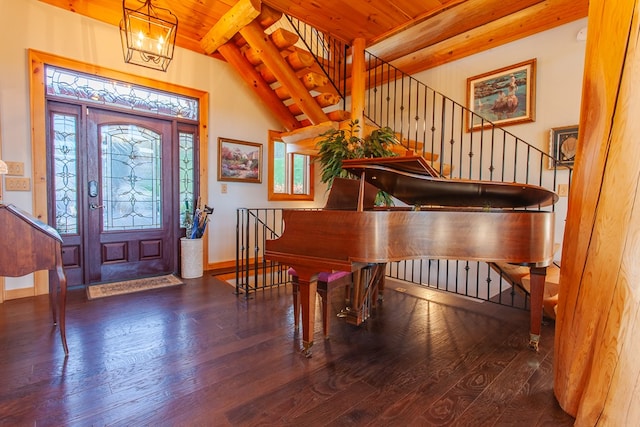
(412, 35)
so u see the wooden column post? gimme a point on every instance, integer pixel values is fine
(597, 344)
(358, 84)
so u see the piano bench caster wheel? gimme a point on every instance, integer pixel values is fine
(306, 349)
(534, 340)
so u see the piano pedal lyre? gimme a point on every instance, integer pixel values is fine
(368, 285)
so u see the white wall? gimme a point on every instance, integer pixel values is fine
(234, 111)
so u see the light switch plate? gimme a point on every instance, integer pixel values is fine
(17, 184)
(563, 190)
(15, 168)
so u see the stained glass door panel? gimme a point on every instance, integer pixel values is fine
(129, 203)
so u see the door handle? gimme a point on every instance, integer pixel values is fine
(94, 206)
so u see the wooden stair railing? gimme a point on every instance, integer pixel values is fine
(288, 79)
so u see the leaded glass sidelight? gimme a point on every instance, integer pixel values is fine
(65, 164)
(131, 178)
(186, 177)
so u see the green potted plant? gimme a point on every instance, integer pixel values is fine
(338, 145)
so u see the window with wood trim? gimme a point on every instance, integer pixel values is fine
(291, 174)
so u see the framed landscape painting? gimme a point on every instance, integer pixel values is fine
(503, 97)
(239, 161)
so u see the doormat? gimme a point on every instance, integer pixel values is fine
(130, 286)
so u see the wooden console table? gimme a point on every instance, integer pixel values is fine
(28, 245)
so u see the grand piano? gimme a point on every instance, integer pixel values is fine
(443, 219)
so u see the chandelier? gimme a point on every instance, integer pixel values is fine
(148, 35)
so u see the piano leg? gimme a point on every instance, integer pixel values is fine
(538, 279)
(296, 304)
(307, 295)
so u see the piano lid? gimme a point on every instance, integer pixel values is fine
(413, 181)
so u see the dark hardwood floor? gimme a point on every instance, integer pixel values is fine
(197, 355)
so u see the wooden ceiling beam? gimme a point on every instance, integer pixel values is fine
(426, 23)
(449, 22)
(240, 15)
(541, 17)
(532, 20)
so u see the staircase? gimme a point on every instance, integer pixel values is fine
(291, 80)
(288, 78)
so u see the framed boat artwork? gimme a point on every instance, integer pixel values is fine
(502, 97)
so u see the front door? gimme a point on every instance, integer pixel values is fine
(117, 219)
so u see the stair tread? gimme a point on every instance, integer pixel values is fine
(515, 272)
(551, 288)
(307, 132)
(551, 284)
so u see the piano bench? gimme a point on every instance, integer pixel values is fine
(327, 282)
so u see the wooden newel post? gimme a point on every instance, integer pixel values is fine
(596, 369)
(358, 84)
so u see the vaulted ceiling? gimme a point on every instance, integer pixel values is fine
(413, 35)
